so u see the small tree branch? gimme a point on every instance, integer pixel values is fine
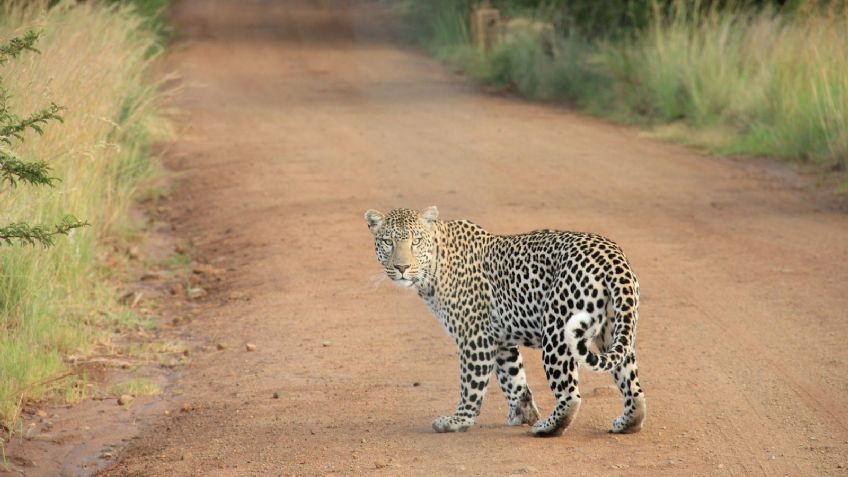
(18, 45)
(43, 234)
(13, 170)
(15, 126)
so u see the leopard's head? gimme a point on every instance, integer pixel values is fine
(403, 239)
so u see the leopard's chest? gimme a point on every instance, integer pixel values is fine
(462, 305)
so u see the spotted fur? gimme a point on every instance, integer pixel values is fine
(563, 292)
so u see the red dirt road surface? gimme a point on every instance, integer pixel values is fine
(301, 115)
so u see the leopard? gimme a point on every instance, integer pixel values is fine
(573, 295)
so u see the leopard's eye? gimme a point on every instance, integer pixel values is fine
(387, 241)
(416, 240)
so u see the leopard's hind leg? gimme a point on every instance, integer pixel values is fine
(626, 375)
(561, 370)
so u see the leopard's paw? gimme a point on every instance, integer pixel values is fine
(631, 421)
(452, 424)
(525, 412)
(550, 427)
(625, 425)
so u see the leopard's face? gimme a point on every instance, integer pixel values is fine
(404, 243)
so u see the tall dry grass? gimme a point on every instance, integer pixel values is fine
(94, 61)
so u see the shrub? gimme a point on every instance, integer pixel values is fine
(52, 302)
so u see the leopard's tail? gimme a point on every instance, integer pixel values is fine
(582, 327)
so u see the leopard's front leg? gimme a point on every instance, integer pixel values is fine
(476, 361)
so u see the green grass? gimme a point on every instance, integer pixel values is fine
(136, 387)
(126, 319)
(766, 84)
(731, 80)
(154, 15)
(54, 302)
(176, 261)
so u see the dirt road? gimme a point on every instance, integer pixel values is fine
(302, 114)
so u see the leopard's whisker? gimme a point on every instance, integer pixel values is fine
(377, 279)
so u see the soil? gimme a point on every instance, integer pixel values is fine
(300, 115)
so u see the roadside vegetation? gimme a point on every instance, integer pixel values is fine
(94, 61)
(749, 78)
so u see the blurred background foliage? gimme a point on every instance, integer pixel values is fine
(759, 77)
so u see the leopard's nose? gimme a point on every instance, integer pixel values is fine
(402, 268)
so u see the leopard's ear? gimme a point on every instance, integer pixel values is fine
(429, 215)
(374, 219)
